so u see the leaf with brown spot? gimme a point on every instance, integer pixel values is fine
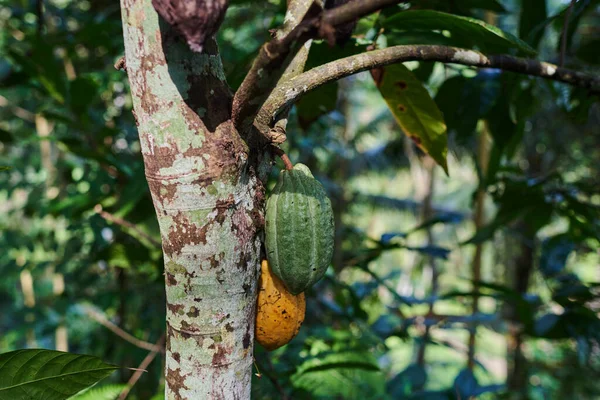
(377, 74)
(401, 85)
(414, 110)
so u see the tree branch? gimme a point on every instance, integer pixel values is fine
(102, 320)
(273, 57)
(121, 222)
(290, 91)
(142, 368)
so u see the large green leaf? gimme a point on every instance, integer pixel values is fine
(324, 99)
(461, 7)
(347, 375)
(531, 23)
(415, 110)
(105, 392)
(48, 374)
(316, 103)
(463, 31)
(492, 5)
(40, 64)
(413, 377)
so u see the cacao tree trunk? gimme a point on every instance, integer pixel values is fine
(209, 203)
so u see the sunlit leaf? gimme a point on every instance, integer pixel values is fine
(348, 375)
(414, 110)
(466, 31)
(47, 374)
(104, 392)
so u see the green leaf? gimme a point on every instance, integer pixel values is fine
(316, 103)
(413, 377)
(554, 254)
(83, 91)
(105, 392)
(401, 38)
(520, 198)
(324, 99)
(347, 375)
(492, 5)
(41, 65)
(6, 137)
(414, 110)
(464, 101)
(48, 374)
(461, 7)
(532, 21)
(464, 31)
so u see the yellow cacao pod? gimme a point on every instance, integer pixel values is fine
(279, 312)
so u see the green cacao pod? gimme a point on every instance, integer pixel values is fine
(299, 230)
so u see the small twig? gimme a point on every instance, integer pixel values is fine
(102, 320)
(479, 221)
(17, 111)
(258, 374)
(273, 379)
(565, 32)
(39, 5)
(121, 64)
(119, 221)
(284, 157)
(142, 368)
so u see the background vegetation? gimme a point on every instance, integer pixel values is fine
(514, 228)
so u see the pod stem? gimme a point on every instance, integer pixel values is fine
(286, 160)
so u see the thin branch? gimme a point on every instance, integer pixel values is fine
(268, 372)
(119, 221)
(273, 57)
(121, 64)
(102, 320)
(478, 220)
(17, 111)
(289, 92)
(565, 32)
(427, 171)
(39, 10)
(142, 368)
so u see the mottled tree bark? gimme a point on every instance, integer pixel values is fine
(208, 201)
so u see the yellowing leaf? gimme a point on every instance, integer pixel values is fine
(414, 110)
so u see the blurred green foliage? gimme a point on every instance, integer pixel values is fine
(391, 320)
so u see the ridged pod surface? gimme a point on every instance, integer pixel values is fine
(299, 231)
(279, 313)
